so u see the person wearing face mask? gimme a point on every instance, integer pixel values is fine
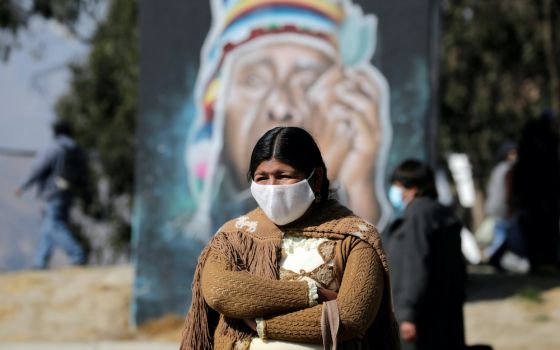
(423, 245)
(299, 272)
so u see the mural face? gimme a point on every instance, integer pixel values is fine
(268, 87)
(216, 75)
(299, 63)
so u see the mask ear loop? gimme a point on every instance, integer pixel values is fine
(311, 175)
(318, 194)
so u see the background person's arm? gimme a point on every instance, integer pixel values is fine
(414, 252)
(42, 165)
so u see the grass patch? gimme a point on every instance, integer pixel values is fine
(542, 318)
(530, 294)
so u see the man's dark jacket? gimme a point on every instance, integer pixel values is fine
(428, 274)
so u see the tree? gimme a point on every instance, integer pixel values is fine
(15, 16)
(102, 101)
(499, 69)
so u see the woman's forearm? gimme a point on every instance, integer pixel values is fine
(358, 301)
(239, 294)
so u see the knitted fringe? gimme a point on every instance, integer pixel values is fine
(244, 253)
(197, 334)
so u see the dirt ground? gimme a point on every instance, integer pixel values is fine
(509, 312)
(513, 312)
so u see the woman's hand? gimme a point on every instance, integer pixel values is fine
(251, 323)
(326, 294)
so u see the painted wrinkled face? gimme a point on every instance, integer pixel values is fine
(268, 87)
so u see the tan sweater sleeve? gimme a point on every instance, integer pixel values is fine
(358, 301)
(238, 294)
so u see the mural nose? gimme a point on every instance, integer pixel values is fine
(278, 106)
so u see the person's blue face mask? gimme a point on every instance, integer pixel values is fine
(396, 198)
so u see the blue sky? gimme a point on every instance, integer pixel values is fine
(34, 77)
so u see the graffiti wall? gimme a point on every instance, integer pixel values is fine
(216, 76)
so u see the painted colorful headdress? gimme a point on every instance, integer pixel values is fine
(336, 27)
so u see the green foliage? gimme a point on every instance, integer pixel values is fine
(101, 104)
(496, 74)
(543, 318)
(530, 294)
(15, 15)
(64, 11)
(101, 101)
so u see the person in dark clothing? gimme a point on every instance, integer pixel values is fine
(536, 190)
(59, 174)
(427, 268)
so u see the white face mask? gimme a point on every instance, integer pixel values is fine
(283, 203)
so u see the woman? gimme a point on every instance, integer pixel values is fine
(427, 267)
(271, 278)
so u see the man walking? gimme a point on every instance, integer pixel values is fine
(59, 173)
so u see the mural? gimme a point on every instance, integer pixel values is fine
(214, 76)
(305, 63)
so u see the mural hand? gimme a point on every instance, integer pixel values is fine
(328, 126)
(359, 95)
(347, 127)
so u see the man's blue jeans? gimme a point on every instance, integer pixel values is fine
(507, 232)
(501, 228)
(55, 232)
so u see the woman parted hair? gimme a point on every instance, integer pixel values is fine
(297, 272)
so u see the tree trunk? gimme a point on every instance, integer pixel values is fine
(551, 56)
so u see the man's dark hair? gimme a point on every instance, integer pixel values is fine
(293, 146)
(505, 149)
(62, 128)
(414, 173)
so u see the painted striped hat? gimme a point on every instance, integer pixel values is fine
(337, 27)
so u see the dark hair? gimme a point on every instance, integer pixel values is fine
(414, 173)
(60, 127)
(505, 149)
(293, 146)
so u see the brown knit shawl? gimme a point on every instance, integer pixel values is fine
(258, 253)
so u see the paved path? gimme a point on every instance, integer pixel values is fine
(125, 345)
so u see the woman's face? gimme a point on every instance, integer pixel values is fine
(275, 172)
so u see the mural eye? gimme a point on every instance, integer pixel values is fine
(305, 80)
(254, 80)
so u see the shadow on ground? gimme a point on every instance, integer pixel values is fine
(484, 283)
